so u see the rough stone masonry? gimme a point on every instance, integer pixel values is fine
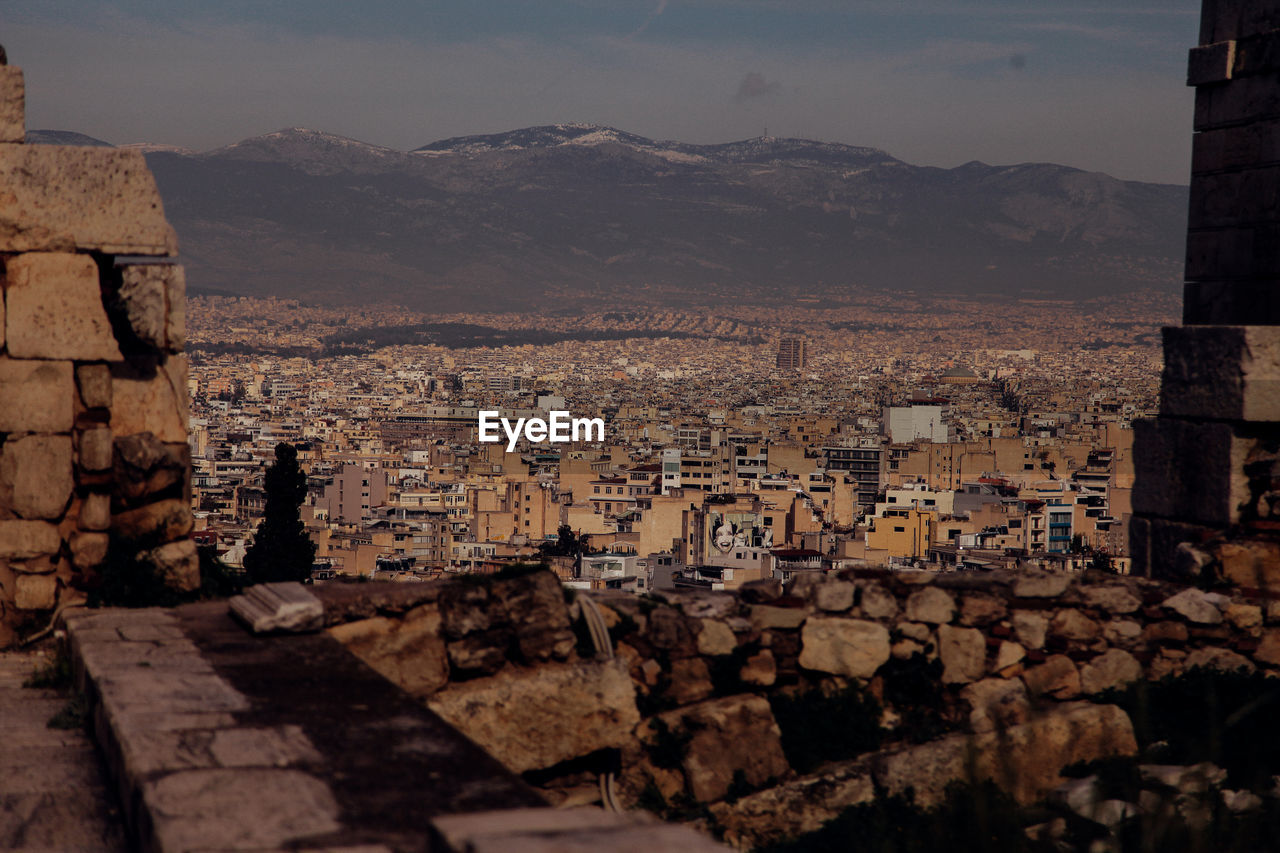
(94, 464)
(1207, 494)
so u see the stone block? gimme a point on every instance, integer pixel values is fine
(88, 549)
(36, 396)
(23, 540)
(878, 602)
(996, 703)
(1232, 302)
(1221, 372)
(36, 476)
(1112, 668)
(1071, 624)
(1056, 677)
(1251, 564)
(1224, 660)
(284, 606)
(410, 651)
(175, 563)
(1025, 760)
(1244, 100)
(852, 647)
(1157, 546)
(35, 592)
(94, 382)
(61, 198)
(963, 652)
(575, 709)
(834, 596)
(715, 638)
(1030, 628)
(95, 512)
(1041, 585)
(95, 449)
(1211, 63)
(237, 809)
(164, 520)
(1196, 606)
(152, 298)
(53, 309)
(150, 395)
(1190, 471)
(931, 605)
(795, 807)
(13, 121)
(730, 736)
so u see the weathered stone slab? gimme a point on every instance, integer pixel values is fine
(95, 449)
(152, 298)
(551, 830)
(963, 652)
(844, 646)
(22, 540)
(35, 592)
(36, 476)
(66, 198)
(150, 395)
(1221, 372)
(238, 809)
(575, 708)
(794, 808)
(410, 652)
(1025, 760)
(176, 563)
(268, 607)
(1190, 471)
(13, 121)
(730, 736)
(36, 396)
(166, 520)
(715, 638)
(94, 382)
(1112, 668)
(53, 309)
(931, 605)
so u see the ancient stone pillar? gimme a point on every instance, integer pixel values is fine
(94, 466)
(1207, 493)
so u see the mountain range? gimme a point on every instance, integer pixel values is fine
(567, 215)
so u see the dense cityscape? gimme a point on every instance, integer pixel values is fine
(888, 429)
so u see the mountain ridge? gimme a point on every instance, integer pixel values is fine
(579, 213)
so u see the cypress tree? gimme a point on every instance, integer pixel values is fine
(281, 548)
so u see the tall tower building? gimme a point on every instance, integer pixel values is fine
(791, 354)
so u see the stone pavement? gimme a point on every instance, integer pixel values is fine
(52, 792)
(217, 739)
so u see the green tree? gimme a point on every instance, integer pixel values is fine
(281, 549)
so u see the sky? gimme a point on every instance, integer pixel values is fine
(1095, 85)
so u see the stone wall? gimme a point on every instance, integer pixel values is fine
(93, 416)
(704, 708)
(1208, 469)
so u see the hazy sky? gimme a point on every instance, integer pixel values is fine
(1098, 85)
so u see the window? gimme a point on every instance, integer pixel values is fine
(597, 488)
(899, 529)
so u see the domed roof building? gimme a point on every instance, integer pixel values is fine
(958, 376)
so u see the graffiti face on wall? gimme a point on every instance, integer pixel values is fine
(729, 530)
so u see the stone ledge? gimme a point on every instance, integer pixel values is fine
(66, 198)
(220, 740)
(1221, 373)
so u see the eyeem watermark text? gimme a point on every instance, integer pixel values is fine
(562, 428)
